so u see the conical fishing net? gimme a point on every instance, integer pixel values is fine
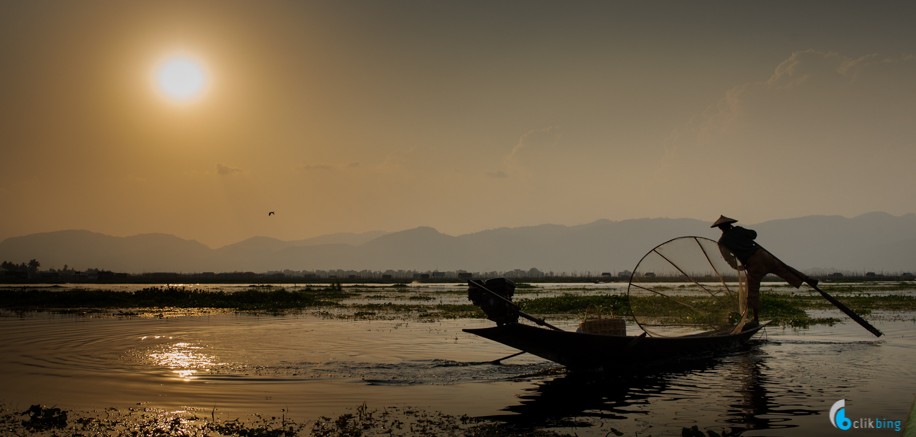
(685, 286)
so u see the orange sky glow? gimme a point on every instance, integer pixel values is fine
(359, 115)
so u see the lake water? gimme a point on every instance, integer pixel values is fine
(308, 366)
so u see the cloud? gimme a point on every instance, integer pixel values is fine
(814, 68)
(316, 167)
(822, 126)
(328, 167)
(810, 94)
(535, 141)
(225, 170)
(531, 149)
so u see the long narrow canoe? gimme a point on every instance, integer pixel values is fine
(584, 351)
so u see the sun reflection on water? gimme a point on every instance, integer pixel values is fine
(184, 359)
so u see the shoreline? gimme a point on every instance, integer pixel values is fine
(781, 304)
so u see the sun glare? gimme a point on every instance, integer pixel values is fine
(181, 78)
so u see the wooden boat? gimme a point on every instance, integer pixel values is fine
(590, 350)
(582, 351)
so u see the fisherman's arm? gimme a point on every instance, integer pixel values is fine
(730, 257)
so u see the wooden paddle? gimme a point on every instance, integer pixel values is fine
(499, 361)
(848, 311)
(831, 299)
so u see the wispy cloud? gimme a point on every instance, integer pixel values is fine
(316, 167)
(530, 149)
(534, 141)
(225, 170)
(497, 174)
(309, 168)
(819, 118)
(809, 91)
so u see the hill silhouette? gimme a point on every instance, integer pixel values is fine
(876, 242)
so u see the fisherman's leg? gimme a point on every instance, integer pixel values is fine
(803, 277)
(753, 297)
(794, 277)
(756, 270)
(753, 292)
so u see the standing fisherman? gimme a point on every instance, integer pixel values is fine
(738, 242)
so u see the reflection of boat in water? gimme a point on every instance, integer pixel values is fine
(729, 394)
(577, 350)
(575, 399)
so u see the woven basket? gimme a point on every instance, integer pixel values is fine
(613, 326)
(603, 326)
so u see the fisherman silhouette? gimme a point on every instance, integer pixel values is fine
(738, 242)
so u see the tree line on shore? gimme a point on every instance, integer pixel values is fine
(30, 272)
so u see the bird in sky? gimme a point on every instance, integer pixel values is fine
(270, 213)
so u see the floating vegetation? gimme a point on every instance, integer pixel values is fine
(781, 309)
(840, 287)
(395, 421)
(251, 299)
(860, 303)
(390, 421)
(42, 420)
(390, 310)
(788, 307)
(789, 311)
(575, 304)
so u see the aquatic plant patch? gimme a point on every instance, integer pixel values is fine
(167, 297)
(390, 421)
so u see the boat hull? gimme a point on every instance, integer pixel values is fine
(594, 351)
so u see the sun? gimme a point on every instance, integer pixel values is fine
(181, 78)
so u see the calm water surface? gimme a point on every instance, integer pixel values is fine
(308, 366)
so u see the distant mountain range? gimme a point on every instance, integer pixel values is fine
(876, 242)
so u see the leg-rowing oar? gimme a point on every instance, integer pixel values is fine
(846, 310)
(540, 322)
(498, 362)
(831, 299)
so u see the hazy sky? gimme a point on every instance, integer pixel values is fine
(348, 116)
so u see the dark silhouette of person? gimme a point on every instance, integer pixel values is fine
(738, 242)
